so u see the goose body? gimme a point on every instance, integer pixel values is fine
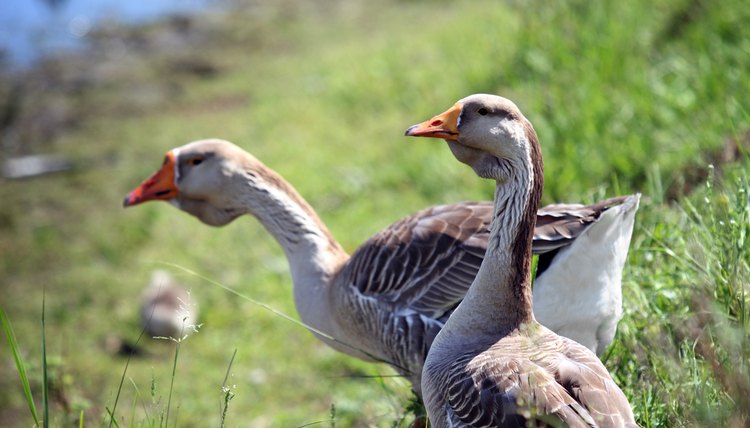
(492, 364)
(387, 301)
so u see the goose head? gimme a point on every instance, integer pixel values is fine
(483, 131)
(203, 178)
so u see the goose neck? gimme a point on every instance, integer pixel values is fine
(309, 246)
(499, 299)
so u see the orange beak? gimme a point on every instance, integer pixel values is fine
(160, 186)
(444, 125)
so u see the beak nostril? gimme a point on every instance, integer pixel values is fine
(436, 122)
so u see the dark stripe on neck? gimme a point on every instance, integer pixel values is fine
(522, 244)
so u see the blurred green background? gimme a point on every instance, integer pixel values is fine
(626, 97)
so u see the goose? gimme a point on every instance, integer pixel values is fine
(492, 364)
(167, 309)
(387, 301)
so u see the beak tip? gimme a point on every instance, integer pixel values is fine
(127, 202)
(409, 130)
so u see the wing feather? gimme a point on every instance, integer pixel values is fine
(558, 225)
(428, 260)
(425, 261)
(549, 380)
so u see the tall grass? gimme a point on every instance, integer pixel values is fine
(20, 366)
(113, 412)
(685, 334)
(228, 393)
(45, 370)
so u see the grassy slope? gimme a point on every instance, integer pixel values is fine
(624, 96)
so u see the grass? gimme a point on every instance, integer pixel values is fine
(20, 365)
(687, 334)
(626, 97)
(45, 370)
(227, 390)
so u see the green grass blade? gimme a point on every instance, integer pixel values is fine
(112, 417)
(20, 366)
(45, 374)
(229, 368)
(122, 378)
(143, 403)
(228, 395)
(132, 410)
(171, 383)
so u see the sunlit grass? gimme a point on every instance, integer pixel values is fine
(685, 334)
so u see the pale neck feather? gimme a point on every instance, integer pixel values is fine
(313, 254)
(499, 299)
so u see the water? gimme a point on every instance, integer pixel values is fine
(31, 29)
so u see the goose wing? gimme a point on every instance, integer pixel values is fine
(424, 262)
(548, 379)
(586, 379)
(557, 225)
(502, 387)
(427, 261)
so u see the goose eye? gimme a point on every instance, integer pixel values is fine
(195, 161)
(482, 111)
